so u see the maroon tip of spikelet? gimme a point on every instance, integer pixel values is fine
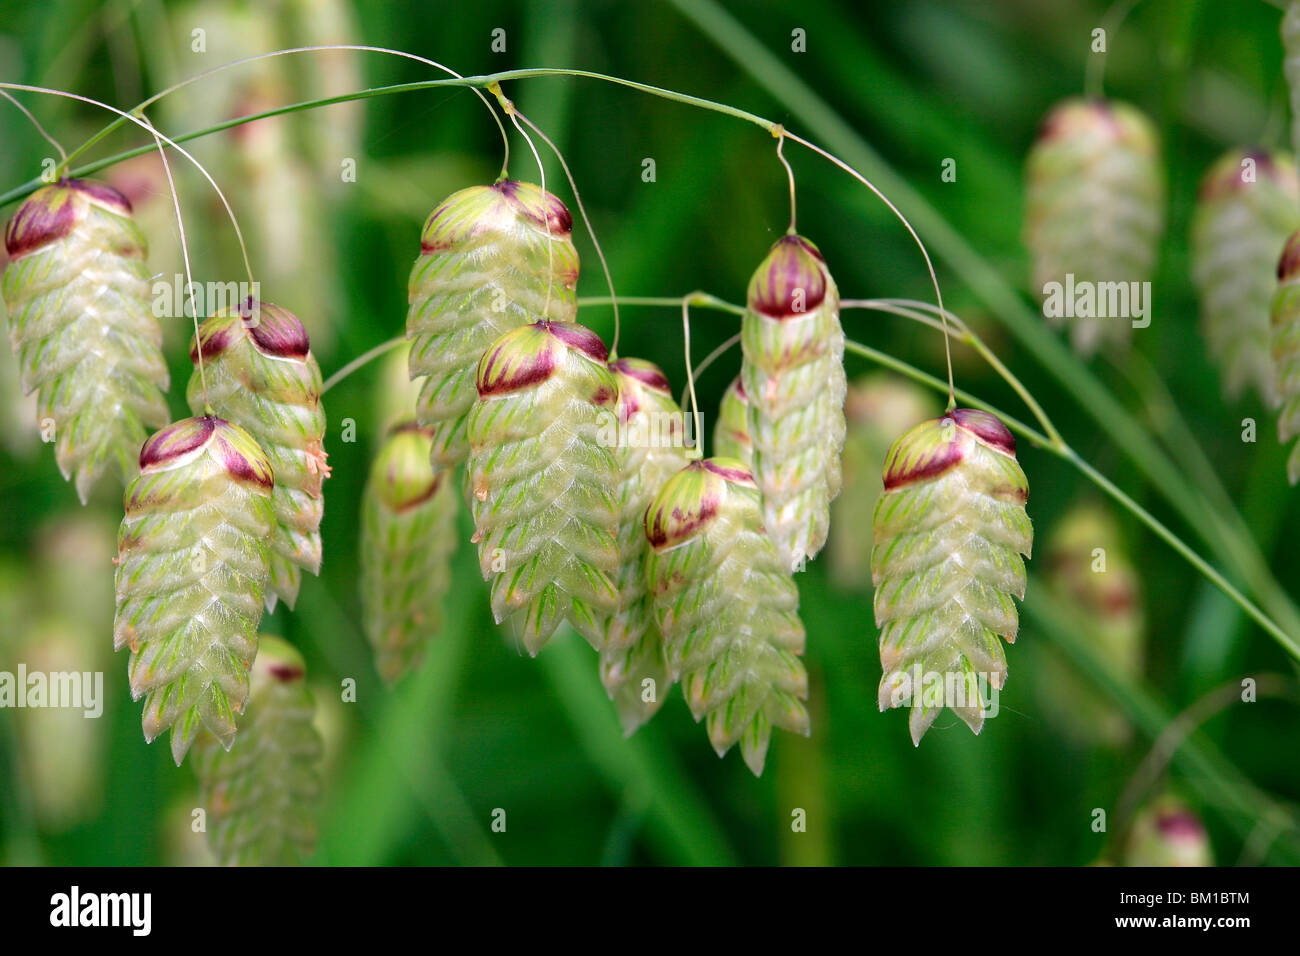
(731, 470)
(520, 358)
(52, 212)
(790, 281)
(273, 330)
(102, 194)
(285, 673)
(548, 212)
(935, 446)
(239, 453)
(579, 338)
(1289, 264)
(689, 501)
(1179, 824)
(987, 428)
(642, 375)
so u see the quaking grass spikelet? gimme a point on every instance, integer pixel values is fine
(262, 376)
(192, 567)
(1249, 203)
(543, 478)
(261, 796)
(1093, 214)
(1167, 832)
(492, 258)
(950, 529)
(77, 291)
(793, 376)
(1285, 340)
(408, 534)
(727, 606)
(651, 443)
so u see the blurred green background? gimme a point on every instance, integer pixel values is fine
(414, 774)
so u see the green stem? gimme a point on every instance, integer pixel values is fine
(362, 360)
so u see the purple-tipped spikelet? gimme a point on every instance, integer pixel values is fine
(408, 534)
(1093, 211)
(731, 433)
(261, 796)
(793, 377)
(543, 479)
(949, 532)
(77, 291)
(1285, 342)
(1249, 203)
(492, 258)
(1167, 833)
(192, 568)
(262, 376)
(651, 447)
(727, 606)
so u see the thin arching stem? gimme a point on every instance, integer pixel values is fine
(907, 308)
(148, 127)
(362, 360)
(1095, 71)
(582, 210)
(929, 266)
(780, 154)
(712, 357)
(185, 258)
(541, 172)
(690, 374)
(63, 156)
(505, 139)
(1180, 729)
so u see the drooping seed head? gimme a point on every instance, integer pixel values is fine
(401, 474)
(53, 212)
(234, 449)
(790, 281)
(531, 354)
(689, 501)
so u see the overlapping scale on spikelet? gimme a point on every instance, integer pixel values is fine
(262, 376)
(408, 534)
(1284, 321)
(727, 606)
(1094, 207)
(879, 407)
(261, 796)
(793, 377)
(651, 446)
(192, 567)
(80, 323)
(949, 528)
(731, 433)
(543, 478)
(492, 258)
(1249, 203)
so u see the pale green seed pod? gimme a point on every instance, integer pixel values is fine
(727, 606)
(731, 433)
(1284, 319)
(879, 408)
(408, 535)
(542, 479)
(950, 528)
(1249, 203)
(651, 443)
(1167, 833)
(793, 375)
(262, 376)
(1094, 213)
(261, 796)
(87, 343)
(1092, 574)
(492, 258)
(192, 568)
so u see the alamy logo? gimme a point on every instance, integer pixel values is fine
(1098, 300)
(74, 908)
(73, 689)
(171, 300)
